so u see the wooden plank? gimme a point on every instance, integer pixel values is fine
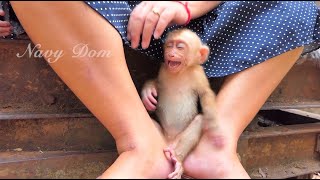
(281, 151)
(54, 165)
(70, 134)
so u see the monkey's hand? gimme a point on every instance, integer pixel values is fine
(149, 94)
(5, 27)
(178, 169)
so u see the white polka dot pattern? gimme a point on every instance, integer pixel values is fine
(240, 34)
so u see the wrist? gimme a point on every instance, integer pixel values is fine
(186, 7)
(200, 8)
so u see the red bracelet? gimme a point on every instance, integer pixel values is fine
(188, 11)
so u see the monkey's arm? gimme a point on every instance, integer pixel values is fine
(207, 101)
(148, 94)
(185, 142)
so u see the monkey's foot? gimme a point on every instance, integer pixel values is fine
(178, 169)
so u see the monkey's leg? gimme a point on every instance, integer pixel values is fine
(185, 142)
(102, 83)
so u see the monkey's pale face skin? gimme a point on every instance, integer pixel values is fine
(174, 57)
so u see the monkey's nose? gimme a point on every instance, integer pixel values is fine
(171, 55)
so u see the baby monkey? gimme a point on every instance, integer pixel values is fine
(181, 82)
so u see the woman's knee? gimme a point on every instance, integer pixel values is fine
(65, 22)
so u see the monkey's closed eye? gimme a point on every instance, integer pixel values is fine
(180, 46)
(169, 45)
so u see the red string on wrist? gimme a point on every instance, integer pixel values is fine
(188, 11)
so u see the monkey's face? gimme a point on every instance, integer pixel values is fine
(175, 55)
(183, 49)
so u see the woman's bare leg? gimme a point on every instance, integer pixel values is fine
(104, 84)
(239, 100)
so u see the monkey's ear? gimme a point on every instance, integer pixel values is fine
(204, 52)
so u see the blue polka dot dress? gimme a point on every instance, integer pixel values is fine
(240, 34)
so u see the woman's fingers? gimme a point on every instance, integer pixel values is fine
(165, 18)
(132, 19)
(136, 23)
(149, 26)
(151, 18)
(4, 24)
(2, 13)
(5, 29)
(5, 34)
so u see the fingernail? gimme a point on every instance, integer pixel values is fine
(133, 46)
(156, 36)
(144, 46)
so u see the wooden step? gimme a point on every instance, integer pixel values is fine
(54, 165)
(45, 147)
(281, 151)
(55, 134)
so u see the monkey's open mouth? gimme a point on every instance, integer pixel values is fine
(173, 64)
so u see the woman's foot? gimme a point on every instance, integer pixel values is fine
(138, 165)
(142, 159)
(215, 157)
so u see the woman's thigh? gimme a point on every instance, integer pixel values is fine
(103, 84)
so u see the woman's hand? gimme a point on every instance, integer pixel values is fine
(152, 18)
(5, 27)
